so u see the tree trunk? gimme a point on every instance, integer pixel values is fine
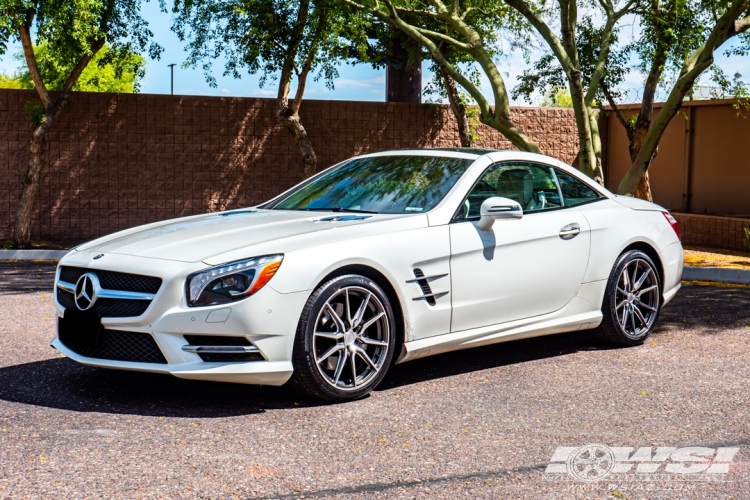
(30, 179)
(403, 82)
(458, 108)
(588, 161)
(291, 121)
(643, 191)
(30, 182)
(644, 188)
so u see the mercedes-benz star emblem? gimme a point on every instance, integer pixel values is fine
(85, 295)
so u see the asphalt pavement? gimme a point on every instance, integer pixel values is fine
(480, 423)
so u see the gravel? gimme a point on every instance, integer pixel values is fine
(480, 423)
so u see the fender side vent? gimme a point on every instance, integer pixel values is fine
(425, 286)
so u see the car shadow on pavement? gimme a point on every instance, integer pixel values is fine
(491, 356)
(61, 383)
(64, 384)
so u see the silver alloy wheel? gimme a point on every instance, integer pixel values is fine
(637, 298)
(351, 338)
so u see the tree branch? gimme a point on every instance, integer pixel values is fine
(24, 33)
(443, 38)
(500, 117)
(394, 20)
(701, 59)
(78, 69)
(95, 46)
(302, 75)
(466, 12)
(615, 107)
(545, 31)
(418, 12)
(288, 68)
(612, 18)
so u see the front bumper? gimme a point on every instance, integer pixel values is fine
(268, 320)
(253, 372)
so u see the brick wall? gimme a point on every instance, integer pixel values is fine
(711, 231)
(119, 160)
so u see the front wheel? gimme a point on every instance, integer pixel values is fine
(345, 340)
(631, 301)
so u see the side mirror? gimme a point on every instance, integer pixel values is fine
(498, 208)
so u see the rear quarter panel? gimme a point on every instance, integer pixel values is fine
(614, 227)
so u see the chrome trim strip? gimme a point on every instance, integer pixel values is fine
(436, 295)
(103, 293)
(68, 287)
(220, 349)
(428, 278)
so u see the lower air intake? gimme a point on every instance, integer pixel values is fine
(118, 345)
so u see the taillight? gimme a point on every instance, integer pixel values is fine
(673, 222)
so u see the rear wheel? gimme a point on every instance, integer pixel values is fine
(345, 340)
(631, 301)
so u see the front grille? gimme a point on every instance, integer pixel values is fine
(118, 345)
(66, 299)
(114, 281)
(209, 340)
(111, 308)
(107, 308)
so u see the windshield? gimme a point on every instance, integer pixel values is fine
(380, 184)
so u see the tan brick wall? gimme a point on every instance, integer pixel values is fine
(119, 160)
(712, 231)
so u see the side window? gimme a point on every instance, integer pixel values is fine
(533, 186)
(574, 191)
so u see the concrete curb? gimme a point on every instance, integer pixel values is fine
(32, 254)
(737, 276)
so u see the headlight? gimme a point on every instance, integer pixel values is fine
(232, 281)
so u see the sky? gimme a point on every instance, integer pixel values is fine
(357, 83)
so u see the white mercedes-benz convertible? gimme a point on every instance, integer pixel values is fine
(383, 258)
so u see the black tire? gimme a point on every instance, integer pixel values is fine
(635, 331)
(314, 373)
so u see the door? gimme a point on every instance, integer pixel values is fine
(520, 268)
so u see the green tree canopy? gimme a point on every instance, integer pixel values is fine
(557, 97)
(99, 76)
(10, 81)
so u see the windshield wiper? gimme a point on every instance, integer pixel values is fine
(339, 209)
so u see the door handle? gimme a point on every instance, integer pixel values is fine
(570, 231)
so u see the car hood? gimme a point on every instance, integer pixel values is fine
(201, 237)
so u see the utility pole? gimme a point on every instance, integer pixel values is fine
(171, 87)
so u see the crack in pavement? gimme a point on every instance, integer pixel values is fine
(380, 487)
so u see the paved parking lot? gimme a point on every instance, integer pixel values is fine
(481, 423)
